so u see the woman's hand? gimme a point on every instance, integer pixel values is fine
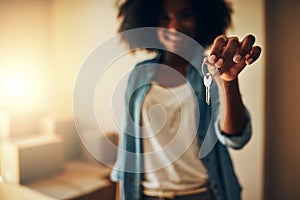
(231, 56)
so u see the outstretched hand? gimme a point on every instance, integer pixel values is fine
(231, 56)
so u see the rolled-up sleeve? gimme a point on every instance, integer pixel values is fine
(234, 141)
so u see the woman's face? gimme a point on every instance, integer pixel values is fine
(178, 16)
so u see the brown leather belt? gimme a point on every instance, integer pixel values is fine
(171, 194)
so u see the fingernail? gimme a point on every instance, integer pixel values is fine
(219, 63)
(237, 58)
(212, 58)
(249, 61)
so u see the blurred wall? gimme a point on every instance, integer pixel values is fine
(26, 78)
(249, 17)
(283, 97)
(78, 27)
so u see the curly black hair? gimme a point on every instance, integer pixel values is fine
(213, 18)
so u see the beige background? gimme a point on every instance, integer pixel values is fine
(46, 41)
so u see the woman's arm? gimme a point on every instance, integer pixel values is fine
(231, 56)
(232, 110)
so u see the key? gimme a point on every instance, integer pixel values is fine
(207, 79)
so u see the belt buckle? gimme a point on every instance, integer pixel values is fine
(166, 194)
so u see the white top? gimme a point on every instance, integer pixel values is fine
(170, 144)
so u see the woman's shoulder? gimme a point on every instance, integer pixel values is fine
(147, 66)
(155, 59)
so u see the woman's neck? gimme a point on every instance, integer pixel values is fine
(176, 62)
(174, 71)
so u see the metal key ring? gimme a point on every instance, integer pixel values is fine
(205, 60)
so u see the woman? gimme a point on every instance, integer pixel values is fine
(163, 159)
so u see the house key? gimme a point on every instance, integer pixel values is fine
(207, 79)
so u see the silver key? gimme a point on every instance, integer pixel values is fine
(207, 79)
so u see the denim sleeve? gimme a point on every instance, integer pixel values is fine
(234, 141)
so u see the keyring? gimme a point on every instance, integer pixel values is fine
(205, 61)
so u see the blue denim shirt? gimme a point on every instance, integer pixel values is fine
(128, 169)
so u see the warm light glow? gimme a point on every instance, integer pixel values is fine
(17, 89)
